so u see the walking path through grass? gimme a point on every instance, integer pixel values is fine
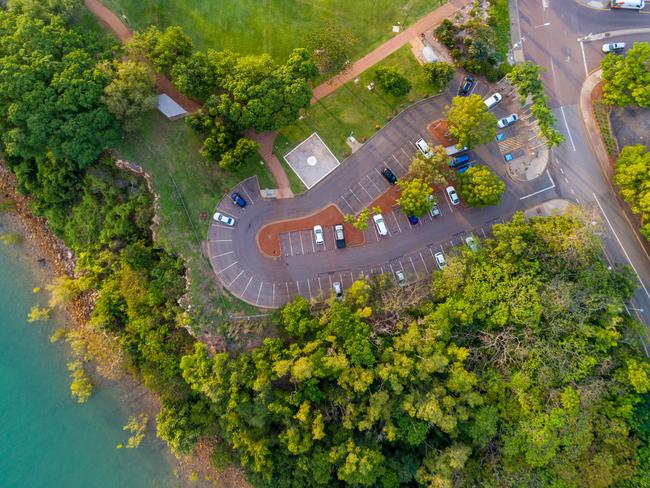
(389, 47)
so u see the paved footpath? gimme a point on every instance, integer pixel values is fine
(389, 47)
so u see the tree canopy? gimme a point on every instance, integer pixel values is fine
(470, 122)
(331, 47)
(633, 178)
(480, 187)
(416, 197)
(392, 81)
(627, 78)
(434, 170)
(439, 74)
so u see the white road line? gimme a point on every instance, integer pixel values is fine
(246, 287)
(425, 263)
(235, 279)
(222, 254)
(313, 245)
(352, 276)
(227, 267)
(553, 71)
(302, 248)
(370, 179)
(259, 292)
(391, 268)
(298, 286)
(561, 170)
(584, 58)
(346, 202)
(250, 199)
(484, 236)
(355, 195)
(330, 277)
(273, 298)
(286, 283)
(621, 244)
(416, 271)
(566, 180)
(543, 189)
(320, 286)
(290, 245)
(309, 288)
(432, 255)
(567, 129)
(364, 189)
(395, 217)
(221, 240)
(397, 160)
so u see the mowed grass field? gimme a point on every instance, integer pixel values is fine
(273, 26)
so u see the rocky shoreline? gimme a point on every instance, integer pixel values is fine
(55, 259)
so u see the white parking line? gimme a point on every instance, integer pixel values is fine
(273, 298)
(302, 248)
(392, 271)
(397, 160)
(330, 277)
(246, 287)
(298, 286)
(432, 255)
(425, 263)
(364, 189)
(355, 196)
(227, 267)
(313, 245)
(309, 288)
(235, 279)
(484, 236)
(222, 254)
(352, 276)
(286, 283)
(250, 199)
(346, 202)
(370, 179)
(621, 244)
(221, 240)
(320, 286)
(290, 245)
(395, 217)
(259, 292)
(416, 271)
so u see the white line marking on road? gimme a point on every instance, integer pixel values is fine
(222, 254)
(399, 229)
(417, 276)
(259, 292)
(290, 245)
(553, 71)
(298, 286)
(302, 248)
(235, 279)
(567, 129)
(287, 283)
(401, 165)
(250, 199)
(425, 263)
(355, 195)
(584, 58)
(221, 240)
(566, 180)
(542, 190)
(320, 286)
(346, 202)
(273, 298)
(392, 271)
(621, 244)
(330, 277)
(577, 201)
(246, 287)
(375, 184)
(483, 232)
(561, 170)
(351, 276)
(313, 248)
(432, 255)
(309, 288)
(227, 267)
(364, 189)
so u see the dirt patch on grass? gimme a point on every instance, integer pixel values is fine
(439, 130)
(268, 238)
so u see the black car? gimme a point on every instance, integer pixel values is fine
(467, 85)
(389, 175)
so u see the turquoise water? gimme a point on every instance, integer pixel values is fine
(46, 438)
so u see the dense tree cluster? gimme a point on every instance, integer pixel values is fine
(390, 80)
(480, 187)
(633, 178)
(416, 197)
(330, 46)
(439, 74)
(470, 122)
(627, 78)
(519, 369)
(434, 170)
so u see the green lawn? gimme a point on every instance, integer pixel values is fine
(272, 26)
(189, 188)
(352, 108)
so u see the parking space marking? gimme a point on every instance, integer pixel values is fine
(309, 288)
(417, 276)
(425, 263)
(246, 287)
(273, 298)
(330, 277)
(346, 202)
(484, 236)
(398, 162)
(235, 279)
(398, 226)
(320, 286)
(221, 240)
(371, 181)
(313, 243)
(364, 189)
(298, 286)
(290, 245)
(248, 195)
(355, 196)
(222, 254)
(227, 267)
(286, 283)
(259, 292)
(302, 248)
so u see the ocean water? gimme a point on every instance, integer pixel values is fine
(46, 438)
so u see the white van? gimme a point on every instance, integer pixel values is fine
(382, 230)
(424, 148)
(453, 150)
(633, 4)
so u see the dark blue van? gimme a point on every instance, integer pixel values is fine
(462, 159)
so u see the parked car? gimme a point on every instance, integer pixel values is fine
(453, 150)
(382, 230)
(389, 175)
(413, 220)
(238, 200)
(224, 219)
(457, 161)
(339, 236)
(506, 121)
(633, 4)
(613, 47)
(319, 237)
(465, 167)
(467, 86)
(440, 260)
(453, 196)
(434, 210)
(424, 148)
(401, 279)
(491, 102)
(471, 243)
(338, 290)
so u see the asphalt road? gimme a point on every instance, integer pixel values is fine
(548, 31)
(551, 32)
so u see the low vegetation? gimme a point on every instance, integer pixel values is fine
(601, 112)
(633, 178)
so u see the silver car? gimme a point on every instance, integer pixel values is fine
(440, 260)
(224, 219)
(338, 290)
(506, 121)
(401, 279)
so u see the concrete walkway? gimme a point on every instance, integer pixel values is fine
(591, 125)
(389, 47)
(265, 141)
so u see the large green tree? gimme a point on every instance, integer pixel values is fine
(163, 49)
(470, 122)
(392, 81)
(44, 9)
(434, 170)
(633, 178)
(416, 197)
(480, 187)
(627, 78)
(439, 74)
(331, 47)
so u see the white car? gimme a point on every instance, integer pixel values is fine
(613, 47)
(424, 148)
(440, 260)
(491, 102)
(506, 121)
(401, 279)
(338, 290)
(223, 218)
(318, 235)
(471, 243)
(453, 196)
(378, 219)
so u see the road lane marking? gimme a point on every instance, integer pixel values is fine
(227, 267)
(364, 189)
(397, 160)
(370, 179)
(309, 288)
(235, 279)
(621, 244)
(417, 276)
(302, 248)
(259, 292)
(320, 286)
(542, 190)
(425, 263)
(221, 240)
(567, 129)
(246, 287)
(584, 58)
(290, 245)
(553, 71)
(222, 254)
